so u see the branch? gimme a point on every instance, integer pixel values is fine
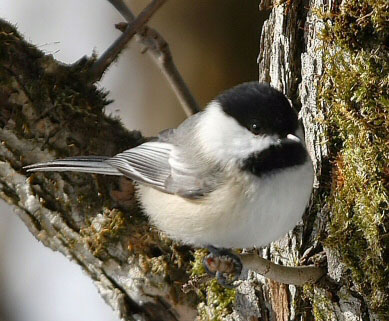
(123, 9)
(282, 274)
(159, 50)
(113, 51)
(48, 111)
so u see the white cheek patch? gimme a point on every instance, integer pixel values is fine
(224, 139)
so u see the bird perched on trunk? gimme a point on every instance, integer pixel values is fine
(236, 175)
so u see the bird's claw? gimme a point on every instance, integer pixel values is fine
(223, 265)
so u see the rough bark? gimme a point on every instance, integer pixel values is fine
(291, 59)
(48, 111)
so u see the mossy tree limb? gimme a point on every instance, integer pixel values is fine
(320, 53)
(48, 111)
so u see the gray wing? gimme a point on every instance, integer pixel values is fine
(172, 164)
(147, 163)
(191, 179)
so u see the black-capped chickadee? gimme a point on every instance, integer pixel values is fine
(236, 175)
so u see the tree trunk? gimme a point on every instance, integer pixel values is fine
(311, 50)
(49, 110)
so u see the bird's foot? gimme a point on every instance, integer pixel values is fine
(223, 265)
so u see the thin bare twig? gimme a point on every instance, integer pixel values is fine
(282, 274)
(123, 9)
(159, 50)
(113, 51)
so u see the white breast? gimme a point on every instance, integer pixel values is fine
(245, 212)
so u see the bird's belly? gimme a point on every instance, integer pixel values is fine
(244, 215)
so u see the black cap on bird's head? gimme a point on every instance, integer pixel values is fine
(259, 108)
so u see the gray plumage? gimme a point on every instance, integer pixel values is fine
(161, 163)
(83, 164)
(242, 159)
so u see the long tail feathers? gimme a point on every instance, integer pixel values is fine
(83, 164)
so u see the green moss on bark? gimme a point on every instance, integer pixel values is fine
(355, 89)
(322, 307)
(216, 301)
(56, 111)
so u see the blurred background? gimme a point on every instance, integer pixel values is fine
(215, 45)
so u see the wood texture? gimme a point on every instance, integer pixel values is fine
(47, 111)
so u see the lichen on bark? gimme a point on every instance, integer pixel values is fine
(331, 62)
(355, 89)
(343, 94)
(51, 110)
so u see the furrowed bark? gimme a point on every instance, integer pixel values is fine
(291, 58)
(48, 111)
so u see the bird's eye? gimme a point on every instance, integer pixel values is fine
(255, 128)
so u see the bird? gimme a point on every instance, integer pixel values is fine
(235, 175)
